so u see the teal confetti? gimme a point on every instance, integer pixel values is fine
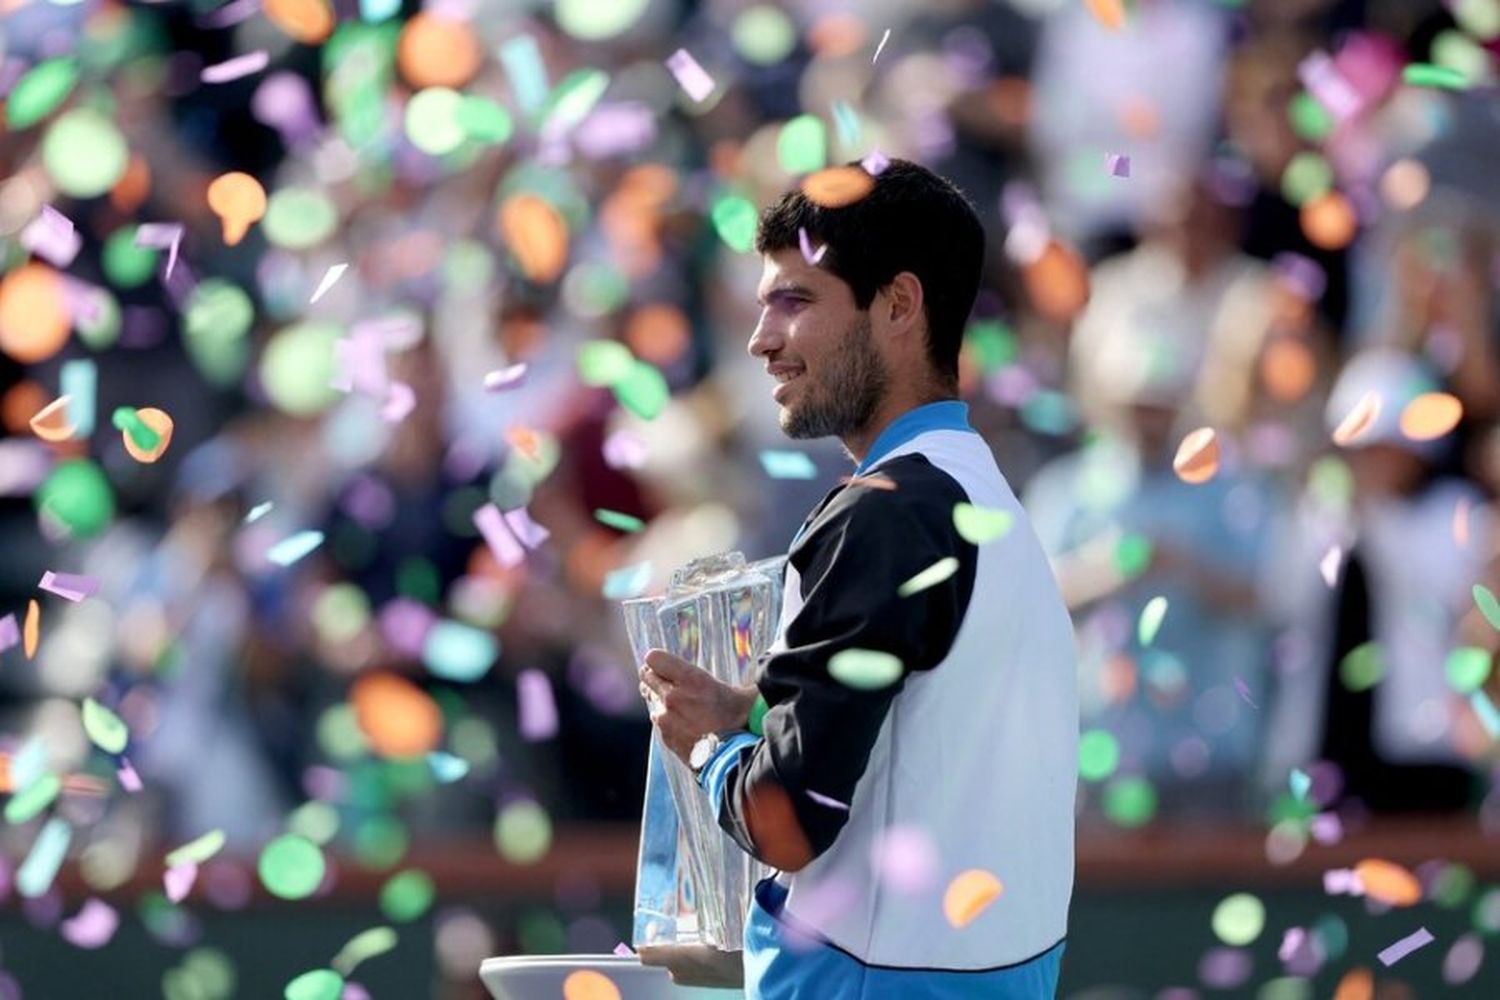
(802, 145)
(847, 122)
(929, 577)
(1151, 619)
(522, 61)
(79, 381)
(259, 511)
(627, 582)
(615, 519)
(298, 546)
(36, 873)
(458, 652)
(787, 464)
(447, 768)
(1301, 784)
(1489, 715)
(1488, 606)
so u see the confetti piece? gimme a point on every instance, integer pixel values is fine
(615, 519)
(969, 895)
(1197, 458)
(447, 768)
(40, 91)
(522, 61)
(1358, 421)
(824, 800)
(79, 382)
(259, 511)
(837, 187)
(505, 378)
(238, 200)
(1467, 668)
(808, 253)
(1300, 783)
(1428, 75)
(332, 275)
(1388, 882)
(787, 464)
(458, 652)
(881, 47)
(1461, 522)
(1488, 606)
(127, 776)
(623, 950)
(362, 947)
(690, 75)
(1150, 621)
(198, 850)
(178, 880)
(400, 404)
(407, 895)
(1239, 919)
(523, 832)
(295, 547)
(1320, 75)
(1328, 566)
(979, 525)
(161, 236)
(93, 927)
(1110, 13)
(233, 69)
(1391, 955)
(875, 163)
(36, 873)
(1342, 882)
(10, 633)
(51, 423)
(34, 797)
(538, 708)
(51, 236)
(1244, 691)
(128, 420)
(1117, 164)
(69, 586)
(1431, 415)
(318, 984)
(1489, 715)
(497, 535)
(929, 577)
(291, 867)
(865, 669)
(627, 582)
(105, 729)
(586, 984)
(32, 630)
(148, 423)
(1098, 754)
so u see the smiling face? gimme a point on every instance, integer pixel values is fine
(831, 378)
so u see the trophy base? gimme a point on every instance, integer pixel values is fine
(541, 977)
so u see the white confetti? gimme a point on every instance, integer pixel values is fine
(881, 47)
(334, 274)
(233, 69)
(1329, 565)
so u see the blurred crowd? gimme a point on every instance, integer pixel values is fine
(1276, 219)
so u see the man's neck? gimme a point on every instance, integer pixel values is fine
(858, 443)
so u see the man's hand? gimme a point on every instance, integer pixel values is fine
(687, 703)
(697, 964)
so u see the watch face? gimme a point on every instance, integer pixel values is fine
(701, 752)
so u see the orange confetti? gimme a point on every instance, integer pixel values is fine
(1388, 882)
(524, 440)
(398, 718)
(586, 984)
(1288, 369)
(308, 21)
(1197, 458)
(1057, 283)
(536, 234)
(31, 632)
(51, 422)
(1329, 222)
(132, 187)
(238, 200)
(1357, 984)
(1358, 421)
(658, 332)
(969, 894)
(1461, 522)
(437, 52)
(158, 422)
(34, 320)
(1431, 415)
(1110, 13)
(837, 187)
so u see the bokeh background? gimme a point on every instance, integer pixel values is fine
(362, 447)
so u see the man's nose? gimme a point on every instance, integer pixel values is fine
(765, 340)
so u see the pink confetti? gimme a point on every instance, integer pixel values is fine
(881, 47)
(625, 450)
(332, 275)
(905, 859)
(808, 253)
(233, 69)
(52, 237)
(693, 78)
(1342, 882)
(505, 378)
(1323, 80)
(1327, 829)
(400, 404)
(10, 632)
(178, 880)
(497, 535)
(538, 708)
(1290, 942)
(94, 925)
(129, 779)
(161, 236)
(1244, 691)
(1118, 164)
(1329, 565)
(527, 531)
(623, 950)
(1396, 952)
(824, 800)
(69, 586)
(875, 163)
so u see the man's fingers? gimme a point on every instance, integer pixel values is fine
(668, 667)
(653, 682)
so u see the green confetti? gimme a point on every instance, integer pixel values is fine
(29, 802)
(1428, 75)
(319, 984)
(458, 652)
(431, 120)
(126, 419)
(40, 91)
(1307, 176)
(615, 519)
(299, 218)
(735, 220)
(992, 343)
(407, 895)
(84, 153)
(575, 96)
(978, 525)
(782, 464)
(603, 362)
(1132, 555)
(643, 391)
(297, 368)
(523, 833)
(1239, 919)
(364, 946)
(1310, 120)
(291, 867)
(315, 820)
(125, 264)
(37, 872)
(198, 850)
(1488, 606)
(77, 498)
(1151, 618)
(1362, 667)
(107, 731)
(381, 842)
(763, 35)
(483, 120)
(1468, 667)
(1480, 18)
(597, 20)
(1130, 802)
(1098, 755)
(929, 577)
(865, 669)
(802, 145)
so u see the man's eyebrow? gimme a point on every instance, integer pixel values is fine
(782, 290)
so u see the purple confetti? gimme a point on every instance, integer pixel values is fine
(178, 880)
(505, 378)
(359, 363)
(693, 78)
(623, 950)
(1303, 275)
(404, 624)
(875, 163)
(1324, 81)
(615, 129)
(1118, 164)
(906, 860)
(1244, 691)
(233, 69)
(625, 450)
(10, 632)
(1326, 828)
(537, 706)
(52, 237)
(824, 800)
(808, 253)
(69, 586)
(94, 925)
(129, 779)
(400, 404)
(161, 236)
(1342, 882)
(497, 535)
(230, 14)
(1396, 952)
(527, 531)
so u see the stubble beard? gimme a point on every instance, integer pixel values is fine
(845, 396)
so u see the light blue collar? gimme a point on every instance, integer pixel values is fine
(944, 415)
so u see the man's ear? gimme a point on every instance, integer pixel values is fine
(904, 303)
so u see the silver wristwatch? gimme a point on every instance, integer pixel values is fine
(703, 751)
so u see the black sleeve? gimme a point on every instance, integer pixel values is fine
(854, 557)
